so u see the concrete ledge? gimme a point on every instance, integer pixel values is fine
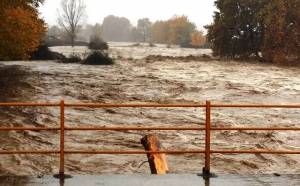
(149, 180)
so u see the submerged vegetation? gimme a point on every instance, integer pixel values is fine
(98, 58)
(44, 53)
(73, 58)
(96, 43)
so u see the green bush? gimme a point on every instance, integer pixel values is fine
(98, 58)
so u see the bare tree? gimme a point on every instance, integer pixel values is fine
(70, 17)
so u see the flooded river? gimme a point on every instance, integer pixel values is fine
(134, 79)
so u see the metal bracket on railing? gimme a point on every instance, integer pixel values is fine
(207, 174)
(62, 176)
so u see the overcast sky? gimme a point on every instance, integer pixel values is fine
(198, 11)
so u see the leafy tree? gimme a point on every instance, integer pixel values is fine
(143, 28)
(281, 39)
(85, 33)
(177, 30)
(197, 39)
(27, 4)
(54, 31)
(116, 28)
(265, 28)
(293, 28)
(180, 30)
(159, 32)
(21, 29)
(134, 35)
(236, 31)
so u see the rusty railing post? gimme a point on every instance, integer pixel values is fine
(62, 139)
(206, 169)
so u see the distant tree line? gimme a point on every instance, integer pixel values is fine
(21, 29)
(175, 31)
(268, 29)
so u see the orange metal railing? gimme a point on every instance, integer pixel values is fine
(207, 129)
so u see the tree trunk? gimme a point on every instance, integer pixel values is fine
(72, 41)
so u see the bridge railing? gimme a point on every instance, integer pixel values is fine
(207, 151)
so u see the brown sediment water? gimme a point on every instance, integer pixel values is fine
(137, 79)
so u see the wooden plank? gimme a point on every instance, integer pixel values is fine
(157, 162)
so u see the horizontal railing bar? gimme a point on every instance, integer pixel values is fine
(29, 152)
(134, 128)
(136, 152)
(29, 104)
(183, 128)
(149, 128)
(28, 128)
(151, 105)
(252, 106)
(156, 152)
(95, 105)
(254, 152)
(256, 128)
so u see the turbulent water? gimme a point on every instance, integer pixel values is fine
(134, 79)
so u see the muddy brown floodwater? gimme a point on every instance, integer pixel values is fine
(134, 79)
